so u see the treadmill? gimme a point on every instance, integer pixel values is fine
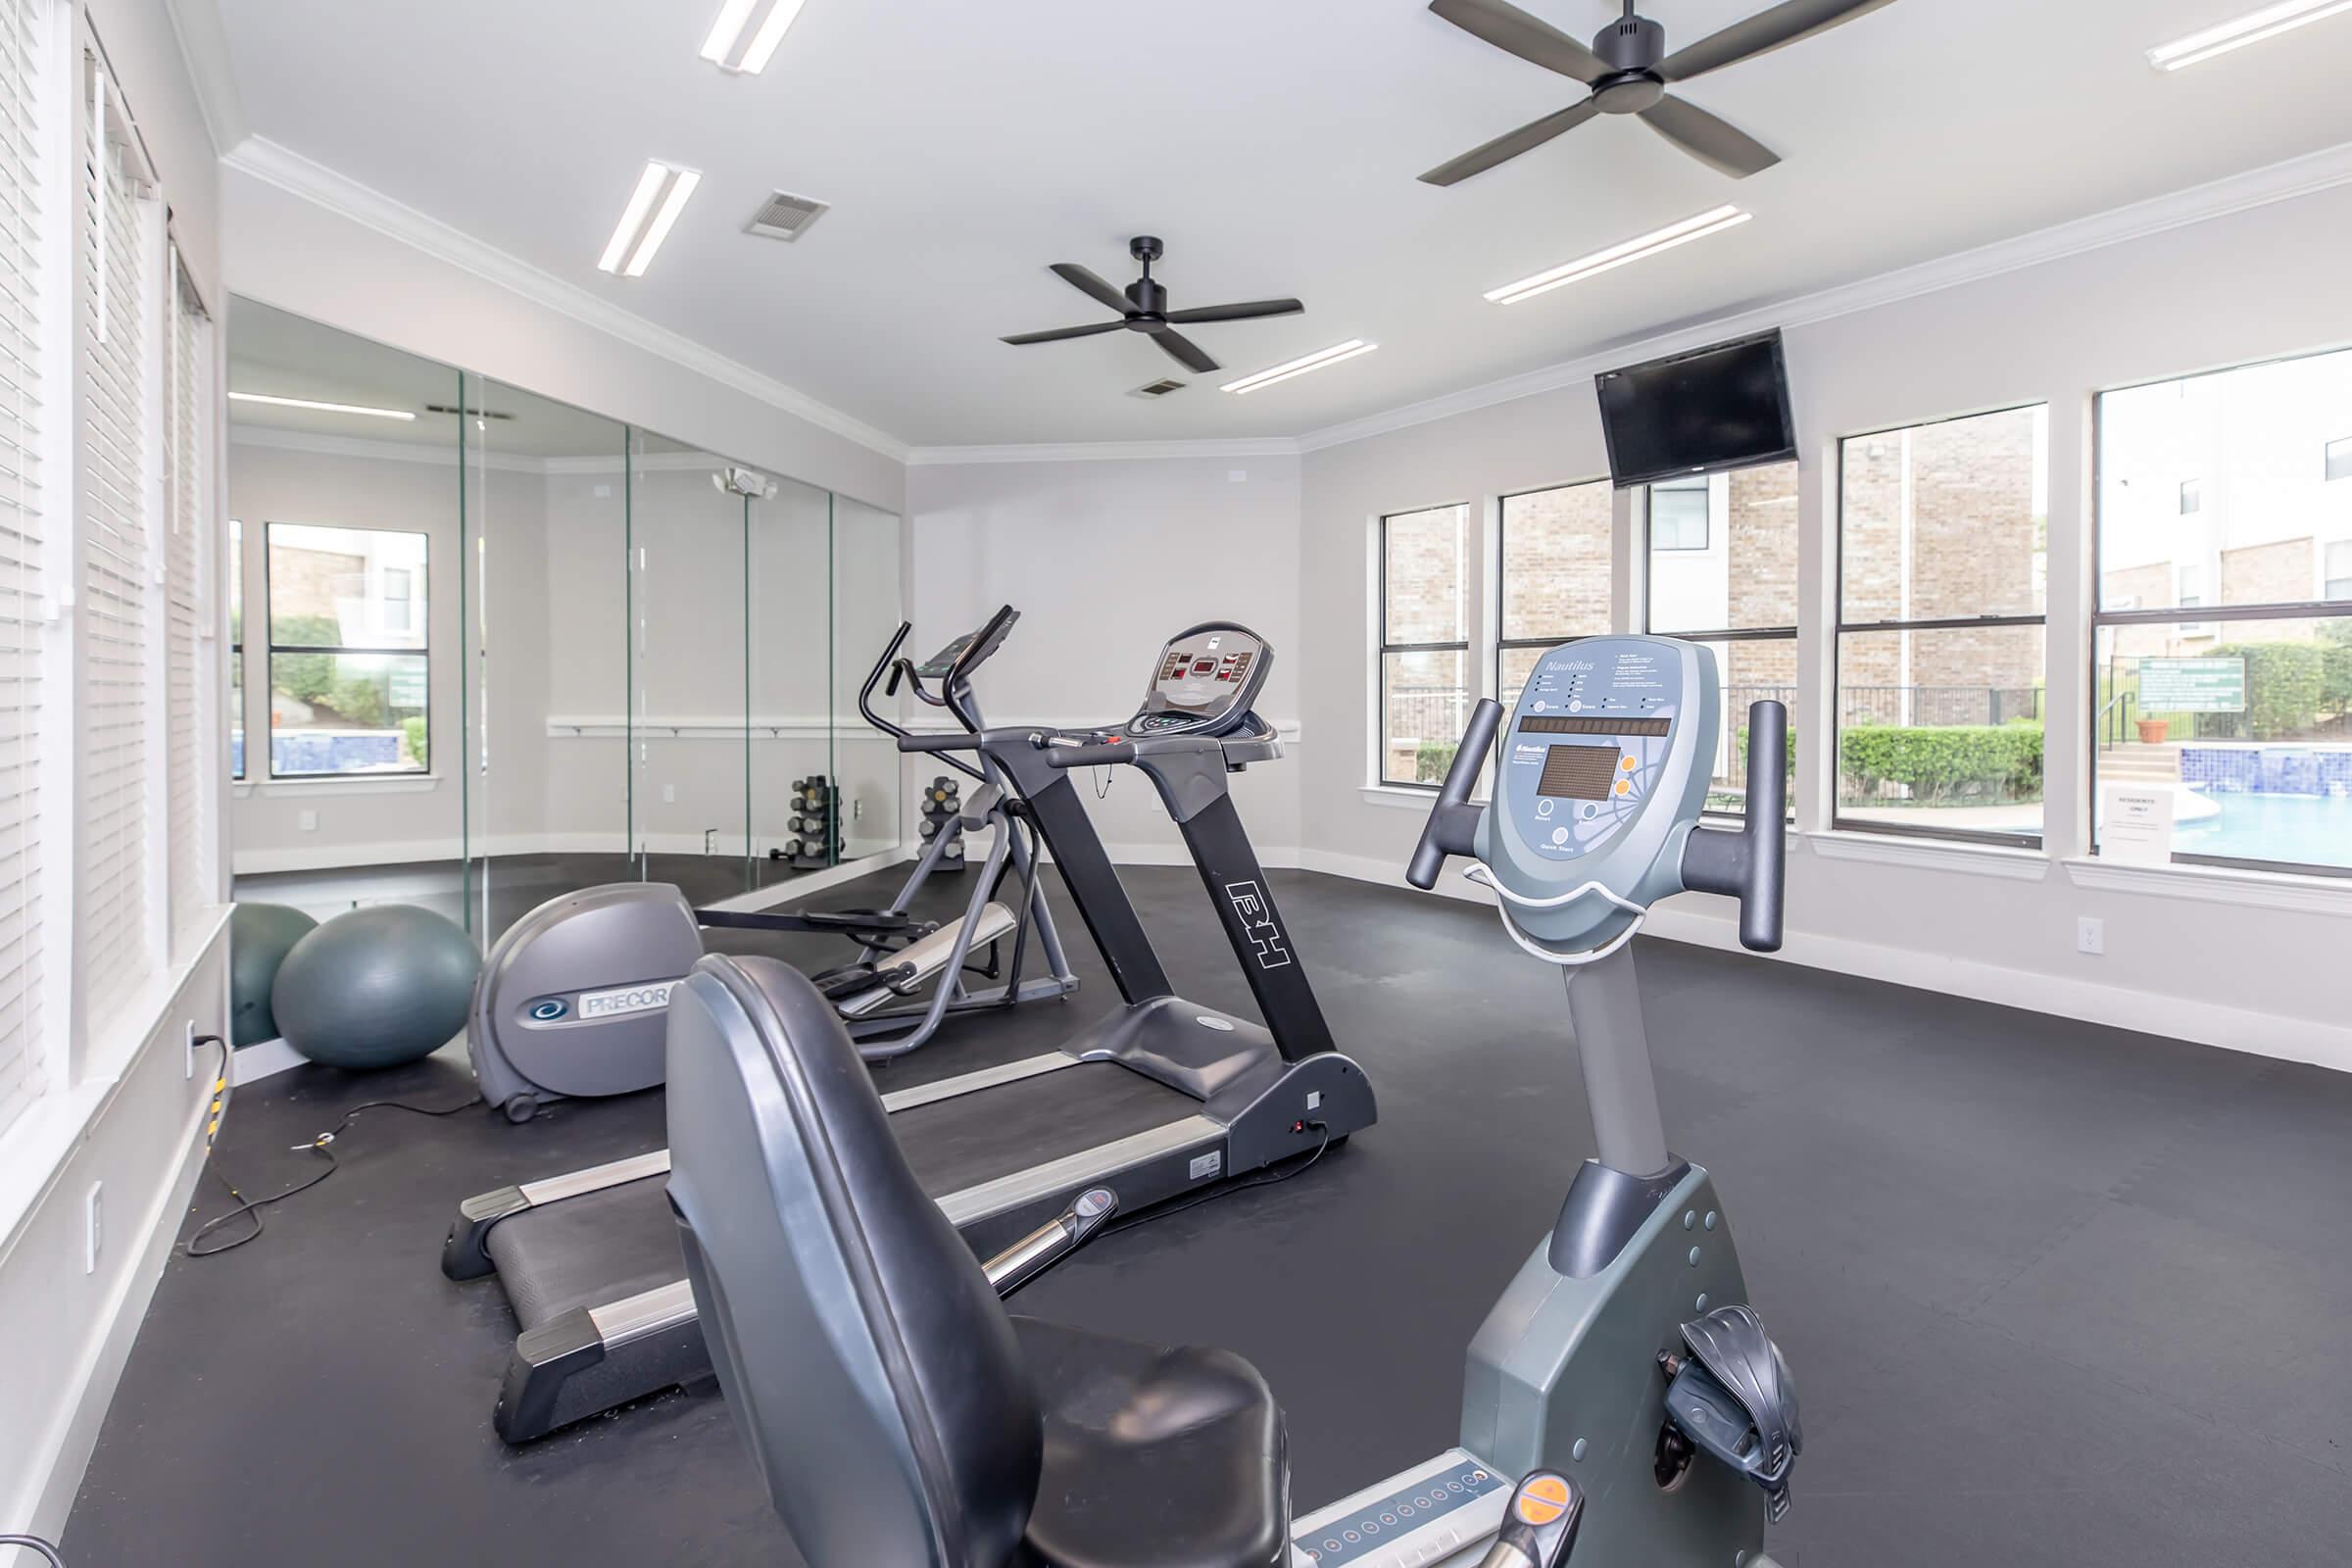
(1162, 1097)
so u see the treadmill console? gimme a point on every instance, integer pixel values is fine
(1204, 682)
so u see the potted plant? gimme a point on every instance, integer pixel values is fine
(2151, 731)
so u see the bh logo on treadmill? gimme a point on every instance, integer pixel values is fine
(1257, 920)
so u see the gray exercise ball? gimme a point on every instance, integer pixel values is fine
(376, 986)
(260, 936)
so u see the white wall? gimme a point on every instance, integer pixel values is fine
(2238, 962)
(1107, 560)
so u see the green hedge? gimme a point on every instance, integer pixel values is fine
(412, 740)
(1944, 764)
(2336, 666)
(1431, 759)
(2285, 682)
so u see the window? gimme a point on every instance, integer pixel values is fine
(27, 320)
(1939, 664)
(1736, 593)
(117, 907)
(348, 666)
(236, 649)
(1678, 514)
(2222, 648)
(1554, 578)
(2340, 459)
(1424, 643)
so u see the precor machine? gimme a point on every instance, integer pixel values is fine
(1163, 1096)
(1621, 1397)
(570, 999)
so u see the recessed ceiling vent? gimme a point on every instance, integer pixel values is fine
(1157, 389)
(785, 216)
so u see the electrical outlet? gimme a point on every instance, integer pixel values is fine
(2090, 935)
(93, 1211)
(857, 811)
(308, 822)
(669, 795)
(1237, 476)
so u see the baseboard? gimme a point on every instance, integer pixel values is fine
(263, 1059)
(66, 1458)
(2260, 1034)
(346, 856)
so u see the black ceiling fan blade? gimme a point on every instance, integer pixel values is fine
(1237, 313)
(1060, 333)
(1183, 351)
(1717, 143)
(1502, 149)
(1087, 283)
(1514, 31)
(1761, 33)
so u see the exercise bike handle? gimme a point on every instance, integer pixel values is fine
(1751, 862)
(1452, 825)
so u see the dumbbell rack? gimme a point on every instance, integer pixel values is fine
(815, 824)
(943, 801)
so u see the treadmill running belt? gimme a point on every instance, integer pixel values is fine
(961, 1141)
(587, 1251)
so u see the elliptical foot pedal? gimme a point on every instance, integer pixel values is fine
(1734, 1398)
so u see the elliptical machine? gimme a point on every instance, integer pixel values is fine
(1621, 1390)
(570, 1000)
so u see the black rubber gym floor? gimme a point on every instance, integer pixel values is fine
(2054, 1294)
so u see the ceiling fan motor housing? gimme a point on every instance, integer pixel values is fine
(1631, 47)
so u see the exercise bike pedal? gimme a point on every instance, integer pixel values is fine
(1732, 1397)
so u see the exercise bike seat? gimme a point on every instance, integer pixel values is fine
(897, 1412)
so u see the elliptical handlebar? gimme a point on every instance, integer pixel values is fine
(1452, 825)
(897, 668)
(1750, 863)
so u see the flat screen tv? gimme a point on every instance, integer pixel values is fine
(1724, 407)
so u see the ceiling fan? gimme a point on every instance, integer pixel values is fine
(1144, 307)
(1629, 71)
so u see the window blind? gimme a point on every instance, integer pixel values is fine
(23, 534)
(112, 938)
(186, 596)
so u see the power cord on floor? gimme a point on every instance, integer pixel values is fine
(321, 1146)
(35, 1544)
(1263, 1179)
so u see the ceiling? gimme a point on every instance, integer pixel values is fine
(1271, 145)
(278, 355)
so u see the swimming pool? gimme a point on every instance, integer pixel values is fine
(2314, 830)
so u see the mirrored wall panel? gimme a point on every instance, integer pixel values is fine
(511, 648)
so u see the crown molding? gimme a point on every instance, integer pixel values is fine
(1274, 446)
(2305, 175)
(297, 175)
(203, 46)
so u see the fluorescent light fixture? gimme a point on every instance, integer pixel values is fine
(636, 238)
(1713, 222)
(2252, 27)
(734, 18)
(1321, 359)
(320, 407)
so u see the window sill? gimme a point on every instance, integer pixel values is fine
(2214, 884)
(342, 784)
(1932, 855)
(1399, 798)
